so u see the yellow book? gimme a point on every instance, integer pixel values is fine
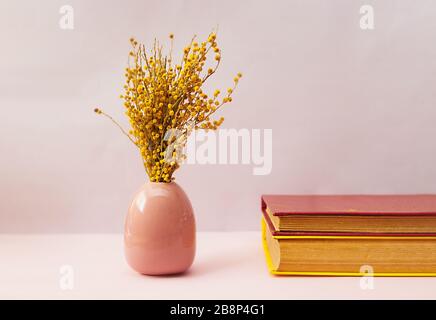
(349, 255)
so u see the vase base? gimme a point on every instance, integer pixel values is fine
(165, 274)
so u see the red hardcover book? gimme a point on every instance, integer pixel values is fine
(350, 214)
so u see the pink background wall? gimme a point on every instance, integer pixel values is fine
(352, 111)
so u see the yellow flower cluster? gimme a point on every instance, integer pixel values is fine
(165, 101)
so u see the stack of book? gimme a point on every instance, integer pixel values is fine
(350, 235)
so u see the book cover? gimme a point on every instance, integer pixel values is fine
(284, 205)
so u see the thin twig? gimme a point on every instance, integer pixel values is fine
(118, 125)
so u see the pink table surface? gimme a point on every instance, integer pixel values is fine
(228, 265)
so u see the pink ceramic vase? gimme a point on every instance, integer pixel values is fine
(159, 233)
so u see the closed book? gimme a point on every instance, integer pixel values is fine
(351, 214)
(337, 241)
(327, 255)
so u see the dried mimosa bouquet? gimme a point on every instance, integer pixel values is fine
(165, 101)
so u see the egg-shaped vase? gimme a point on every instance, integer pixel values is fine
(159, 232)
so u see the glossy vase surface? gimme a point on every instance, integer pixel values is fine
(159, 233)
